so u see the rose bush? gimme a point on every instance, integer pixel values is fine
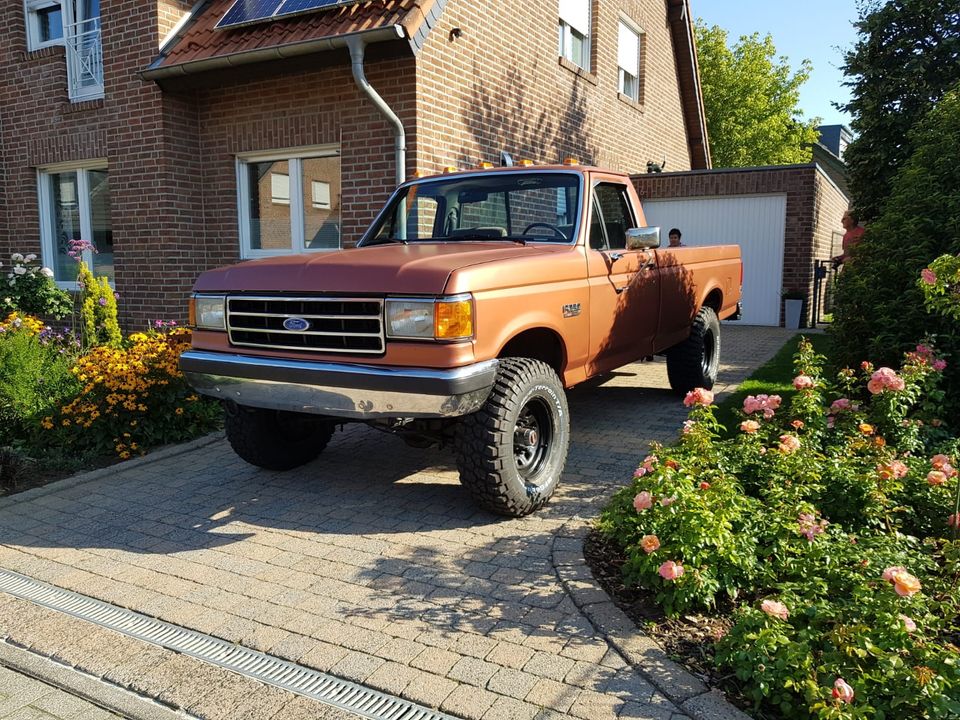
(30, 289)
(830, 525)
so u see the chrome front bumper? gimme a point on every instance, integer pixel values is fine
(357, 392)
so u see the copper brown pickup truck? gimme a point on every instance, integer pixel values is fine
(471, 303)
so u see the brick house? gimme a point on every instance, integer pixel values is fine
(176, 146)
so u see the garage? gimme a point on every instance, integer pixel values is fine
(754, 222)
(785, 218)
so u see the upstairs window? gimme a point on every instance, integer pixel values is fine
(44, 23)
(628, 60)
(574, 32)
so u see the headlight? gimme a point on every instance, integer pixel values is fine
(210, 312)
(442, 319)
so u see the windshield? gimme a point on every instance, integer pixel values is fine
(511, 206)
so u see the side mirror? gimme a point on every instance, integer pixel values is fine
(645, 238)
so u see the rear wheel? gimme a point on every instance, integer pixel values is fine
(695, 362)
(277, 440)
(512, 451)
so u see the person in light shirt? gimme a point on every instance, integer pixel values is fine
(853, 233)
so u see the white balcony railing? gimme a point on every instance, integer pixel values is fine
(84, 59)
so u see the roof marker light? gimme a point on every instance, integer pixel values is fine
(570, 161)
(449, 169)
(486, 165)
(525, 163)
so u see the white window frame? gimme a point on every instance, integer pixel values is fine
(567, 26)
(47, 227)
(293, 157)
(31, 8)
(633, 28)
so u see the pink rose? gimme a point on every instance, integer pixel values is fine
(749, 426)
(671, 570)
(775, 609)
(885, 379)
(939, 365)
(789, 444)
(842, 691)
(936, 478)
(668, 501)
(688, 426)
(841, 405)
(948, 470)
(650, 543)
(810, 527)
(904, 584)
(908, 624)
(893, 469)
(643, 501)
(890, 571)
(803, 382)
(698, 396)
(928, 276)
(954, 521)
(704, 485)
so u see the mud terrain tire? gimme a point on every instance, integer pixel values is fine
(694, 362)
(512, 451)
(277, 440)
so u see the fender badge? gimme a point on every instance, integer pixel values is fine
(571, 310)
(296, 324)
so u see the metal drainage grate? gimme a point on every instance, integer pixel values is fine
(259, 666)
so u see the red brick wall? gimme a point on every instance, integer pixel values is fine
(321, 107)
(814, 208)
(501, 86)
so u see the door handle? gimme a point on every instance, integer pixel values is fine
(616, 256)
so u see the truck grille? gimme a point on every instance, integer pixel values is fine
(336, 325)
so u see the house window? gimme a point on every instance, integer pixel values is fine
(44, 23)
(76, 25)
(289, 202)
(75, 205)
(574, 32)
(628, 60)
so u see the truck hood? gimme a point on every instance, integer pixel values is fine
(417, 269)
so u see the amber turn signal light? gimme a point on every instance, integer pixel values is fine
(454, 319)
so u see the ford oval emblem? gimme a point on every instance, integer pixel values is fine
(296, 324)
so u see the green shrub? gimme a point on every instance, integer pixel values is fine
(30, 289)
(98, 310)
(833, 525)
(34, 376)
(879, 309)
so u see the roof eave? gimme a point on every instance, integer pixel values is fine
(685, 57)
(277, 52)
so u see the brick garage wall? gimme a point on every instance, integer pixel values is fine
(322, 107)
(501, 86)
(831, 203)
(811, 215)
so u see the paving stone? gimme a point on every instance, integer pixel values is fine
(473, 671)
(356, 666)
(476, 646)
(428, 689)
(552, 694)
(505, 708)
(513, 683)
(391, 678)
(549, 666)
(323, 656)
(596, 706)
(435, 660)
(262, 704)
(510, 655)
(468, 702)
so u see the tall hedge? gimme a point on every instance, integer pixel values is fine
(879, 309)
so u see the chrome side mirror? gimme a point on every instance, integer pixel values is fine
(645, 238)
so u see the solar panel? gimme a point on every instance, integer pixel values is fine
(246, 12)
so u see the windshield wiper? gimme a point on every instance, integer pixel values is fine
(483, 237)
(382, 240)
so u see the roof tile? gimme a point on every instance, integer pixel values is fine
(199, 40)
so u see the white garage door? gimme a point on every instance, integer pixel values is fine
(754, 222)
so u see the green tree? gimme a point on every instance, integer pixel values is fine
(879, 310)
(751, 99)
(907, 55)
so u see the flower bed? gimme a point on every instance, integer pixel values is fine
(830, 526)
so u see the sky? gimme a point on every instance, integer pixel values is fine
(817, 30)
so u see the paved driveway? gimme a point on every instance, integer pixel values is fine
(371, 562)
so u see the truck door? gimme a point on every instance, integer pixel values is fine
(624, 284)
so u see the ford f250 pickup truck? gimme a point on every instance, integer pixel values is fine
(474, 299)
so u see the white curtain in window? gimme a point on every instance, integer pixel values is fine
(576, 13)
(628, 55)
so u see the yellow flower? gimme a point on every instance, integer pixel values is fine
(179, 411)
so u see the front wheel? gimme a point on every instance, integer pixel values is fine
(512, 451)
(276, 440)
(695, 362)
